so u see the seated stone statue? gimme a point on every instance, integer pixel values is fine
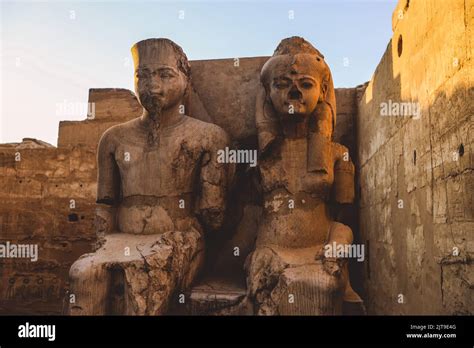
(159, 188)
(301, 171)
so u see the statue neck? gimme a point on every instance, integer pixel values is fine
(165, 119)
(292, 129)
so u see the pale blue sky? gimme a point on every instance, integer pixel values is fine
(52, 52)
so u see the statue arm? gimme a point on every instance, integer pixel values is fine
(344, 171)
(343, 195)
(340, 235)
(343, 187)
(214, 182)
(108, 185)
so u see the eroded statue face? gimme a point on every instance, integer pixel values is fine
(295, 85)
(160, 85)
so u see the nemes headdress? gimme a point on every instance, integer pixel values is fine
(153, 50)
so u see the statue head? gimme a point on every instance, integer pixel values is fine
(297, 86)
(162, 74)
(296, 79)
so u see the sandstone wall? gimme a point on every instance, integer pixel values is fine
(416, 178)
(35, 208)
(36, 192)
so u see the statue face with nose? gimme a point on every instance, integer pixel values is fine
(294, 85)
(160, 85)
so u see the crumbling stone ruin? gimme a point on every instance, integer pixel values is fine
(217, 237)
(159, 187)
(299, 169)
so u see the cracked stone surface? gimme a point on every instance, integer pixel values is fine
(301, 172)
(416, 173)
(159, 188)
(150, 269)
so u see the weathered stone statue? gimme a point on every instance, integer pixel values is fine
(301, 172)
(159, 187)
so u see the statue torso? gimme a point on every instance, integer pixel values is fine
(289, 169)
(294, 197)
(157, 177)
(165, 167)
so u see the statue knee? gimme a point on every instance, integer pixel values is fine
(340, 233)
(308, 290)
(82, 269)
(263, 268)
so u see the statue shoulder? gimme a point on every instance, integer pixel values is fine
(114, 134)
(211, 134)
(342, 157)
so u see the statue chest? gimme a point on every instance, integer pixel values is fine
(289, 169)
(167, 167)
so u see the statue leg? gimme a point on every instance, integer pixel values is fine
(308, 290)
(88, 286)
(291, 282)
(264, 268)
(161, 269)
(342, 234)
(135, 274)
